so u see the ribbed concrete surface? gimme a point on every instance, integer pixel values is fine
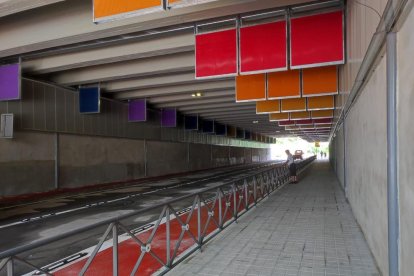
(304, 229)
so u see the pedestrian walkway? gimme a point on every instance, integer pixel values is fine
(303, 229)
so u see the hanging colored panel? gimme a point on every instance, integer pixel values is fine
(105, 10)
(274, 117)
(263, 48)
(216, 54)
(317, 40)
(231, 131)
(137, 110)
(272, 106)
(322, 114)
(320, 81)
(282, 85)
(321, 103)
(191, 122)
(251, 88)
(208, 126)
(240, 133)
(293, 105)
(220, 129)
(10, 82)
(89, 100)
(247, 135)
(322, 121)
(291, 127)
(300, 115)
(324, 126)
(286, 123)
(169, 117)
(304, 122)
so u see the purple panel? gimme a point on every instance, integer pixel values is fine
(137, 110)
(169, 117)
(10, 82)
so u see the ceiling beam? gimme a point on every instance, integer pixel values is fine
(151, 81)
(122, 70)
(8, 7)
(187, 97)
(200, 108)
(121, 52)
(197, 101)
(70, 22)
(204, 87)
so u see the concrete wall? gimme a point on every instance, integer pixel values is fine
(27, 162)
(405, 103)
(366, 164)
(86, 160)
(366, 144)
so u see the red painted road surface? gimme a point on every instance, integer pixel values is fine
(130, 250)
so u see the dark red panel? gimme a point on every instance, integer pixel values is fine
(216, 54)
(286, 123)
(322, 121)
(304, 122)
(263, 48)
(317, 40)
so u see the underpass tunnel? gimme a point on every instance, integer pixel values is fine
(133, 135)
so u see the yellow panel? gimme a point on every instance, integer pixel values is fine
(320, 114)
(291, 127)
(251, 88)
(321, 103)
(282, 85)
(279, 117)
(307, 127)
(300, 115)
(292, 105)
(105, 8)
(319, 81)
(324, 126)
(272, 106)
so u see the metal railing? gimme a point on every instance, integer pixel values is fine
(211, 210)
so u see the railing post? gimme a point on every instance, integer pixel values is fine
(10, 267)
(255, 190)
(220, 208)
(168, 238)
(200, 240)
(115, 249)
(246, 193)
(235, 192)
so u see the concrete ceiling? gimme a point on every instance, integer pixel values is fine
(150, 56)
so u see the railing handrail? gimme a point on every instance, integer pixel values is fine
(44, 241)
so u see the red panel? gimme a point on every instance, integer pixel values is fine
(286, 123)
(216, 54)
(263, 48)
(317, 40)
(322, 121)
(304, 122)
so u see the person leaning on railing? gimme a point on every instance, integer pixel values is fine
(290, 163)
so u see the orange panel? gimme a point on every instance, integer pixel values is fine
(300, 115)
(251, 88)
(322, 114)
(279, 117)
(292, 105)
(321, 103)
(104, 8)
(272, 106)
(281, 85)
(320, 81)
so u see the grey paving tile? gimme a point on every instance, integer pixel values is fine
(305, 229)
